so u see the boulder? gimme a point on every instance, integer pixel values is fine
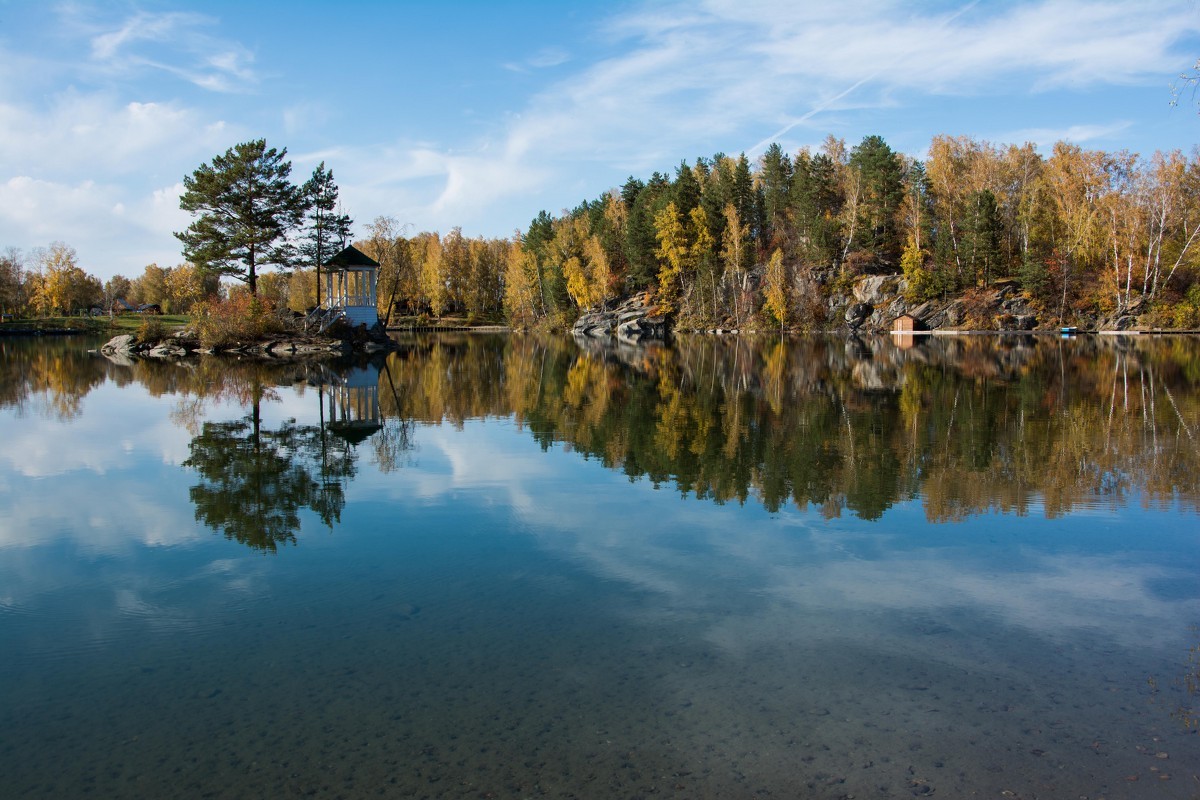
(167, 350)
(875, 290)
(857, 313)
(120, 344)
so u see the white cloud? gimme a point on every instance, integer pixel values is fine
(673, 81)
(93, 171)
(141, 27)
(1079, 134)
(98, 135)
(44, 210)
(114, 228)
(543, 59)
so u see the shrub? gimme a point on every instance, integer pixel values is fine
(1186, 314)
(151, 330)
(241, 318)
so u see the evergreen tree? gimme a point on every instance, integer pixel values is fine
(327, 230)
(776, 183)
(744, 197)
(816, 202)
(685, 192)
(880, 175)
(982, 238)
(716, 194)
(641, 242)
(244, 207)
(630, 190)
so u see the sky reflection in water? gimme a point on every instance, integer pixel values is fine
(507, 593)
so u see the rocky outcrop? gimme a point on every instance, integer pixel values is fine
(632, 321)
(873, 304)
(858, 313)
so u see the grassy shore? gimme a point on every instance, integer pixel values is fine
(125, 323)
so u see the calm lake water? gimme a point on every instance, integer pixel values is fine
(504, 567)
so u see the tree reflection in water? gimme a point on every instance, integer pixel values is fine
(255, 481)
(964, 425)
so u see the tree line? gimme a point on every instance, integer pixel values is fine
(727, 242)
(724, 241)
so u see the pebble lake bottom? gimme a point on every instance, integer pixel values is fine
(491, 617)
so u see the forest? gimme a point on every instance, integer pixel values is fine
(726, 242)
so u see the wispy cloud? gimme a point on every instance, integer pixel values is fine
(543, 59)
(671, 80)
(98, 134)
(177, 43)
(1079, 134)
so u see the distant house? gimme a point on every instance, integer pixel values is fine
(149, 308)
(119, 306)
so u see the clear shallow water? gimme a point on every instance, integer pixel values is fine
(962, 569)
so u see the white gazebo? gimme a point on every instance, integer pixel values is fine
(350, 278)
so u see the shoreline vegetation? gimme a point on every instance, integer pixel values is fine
(839, 238)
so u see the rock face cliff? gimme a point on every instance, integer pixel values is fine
(871, 304)
(876, 301)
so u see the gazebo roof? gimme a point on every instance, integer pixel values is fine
(352, 257)
(355, 432)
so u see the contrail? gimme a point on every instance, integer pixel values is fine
(830, 101)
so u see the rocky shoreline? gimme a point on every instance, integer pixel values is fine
(872, 304)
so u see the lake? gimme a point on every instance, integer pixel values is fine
(509, 567)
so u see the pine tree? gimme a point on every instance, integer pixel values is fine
(879, 172)
(328, 230)
(244, 207)
(776, 182)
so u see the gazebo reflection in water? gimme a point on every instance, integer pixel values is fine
(350, 404)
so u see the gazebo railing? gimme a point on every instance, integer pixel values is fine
(321, 318)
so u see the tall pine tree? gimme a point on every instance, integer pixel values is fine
(327, 230)
(244, 207)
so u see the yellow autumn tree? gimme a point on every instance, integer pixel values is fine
(521, 285)
(777, 290)
(674, 256)
(433, 281)
(62, 286)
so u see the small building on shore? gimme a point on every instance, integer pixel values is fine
(907, 323)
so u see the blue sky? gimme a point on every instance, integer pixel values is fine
(482, 114)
